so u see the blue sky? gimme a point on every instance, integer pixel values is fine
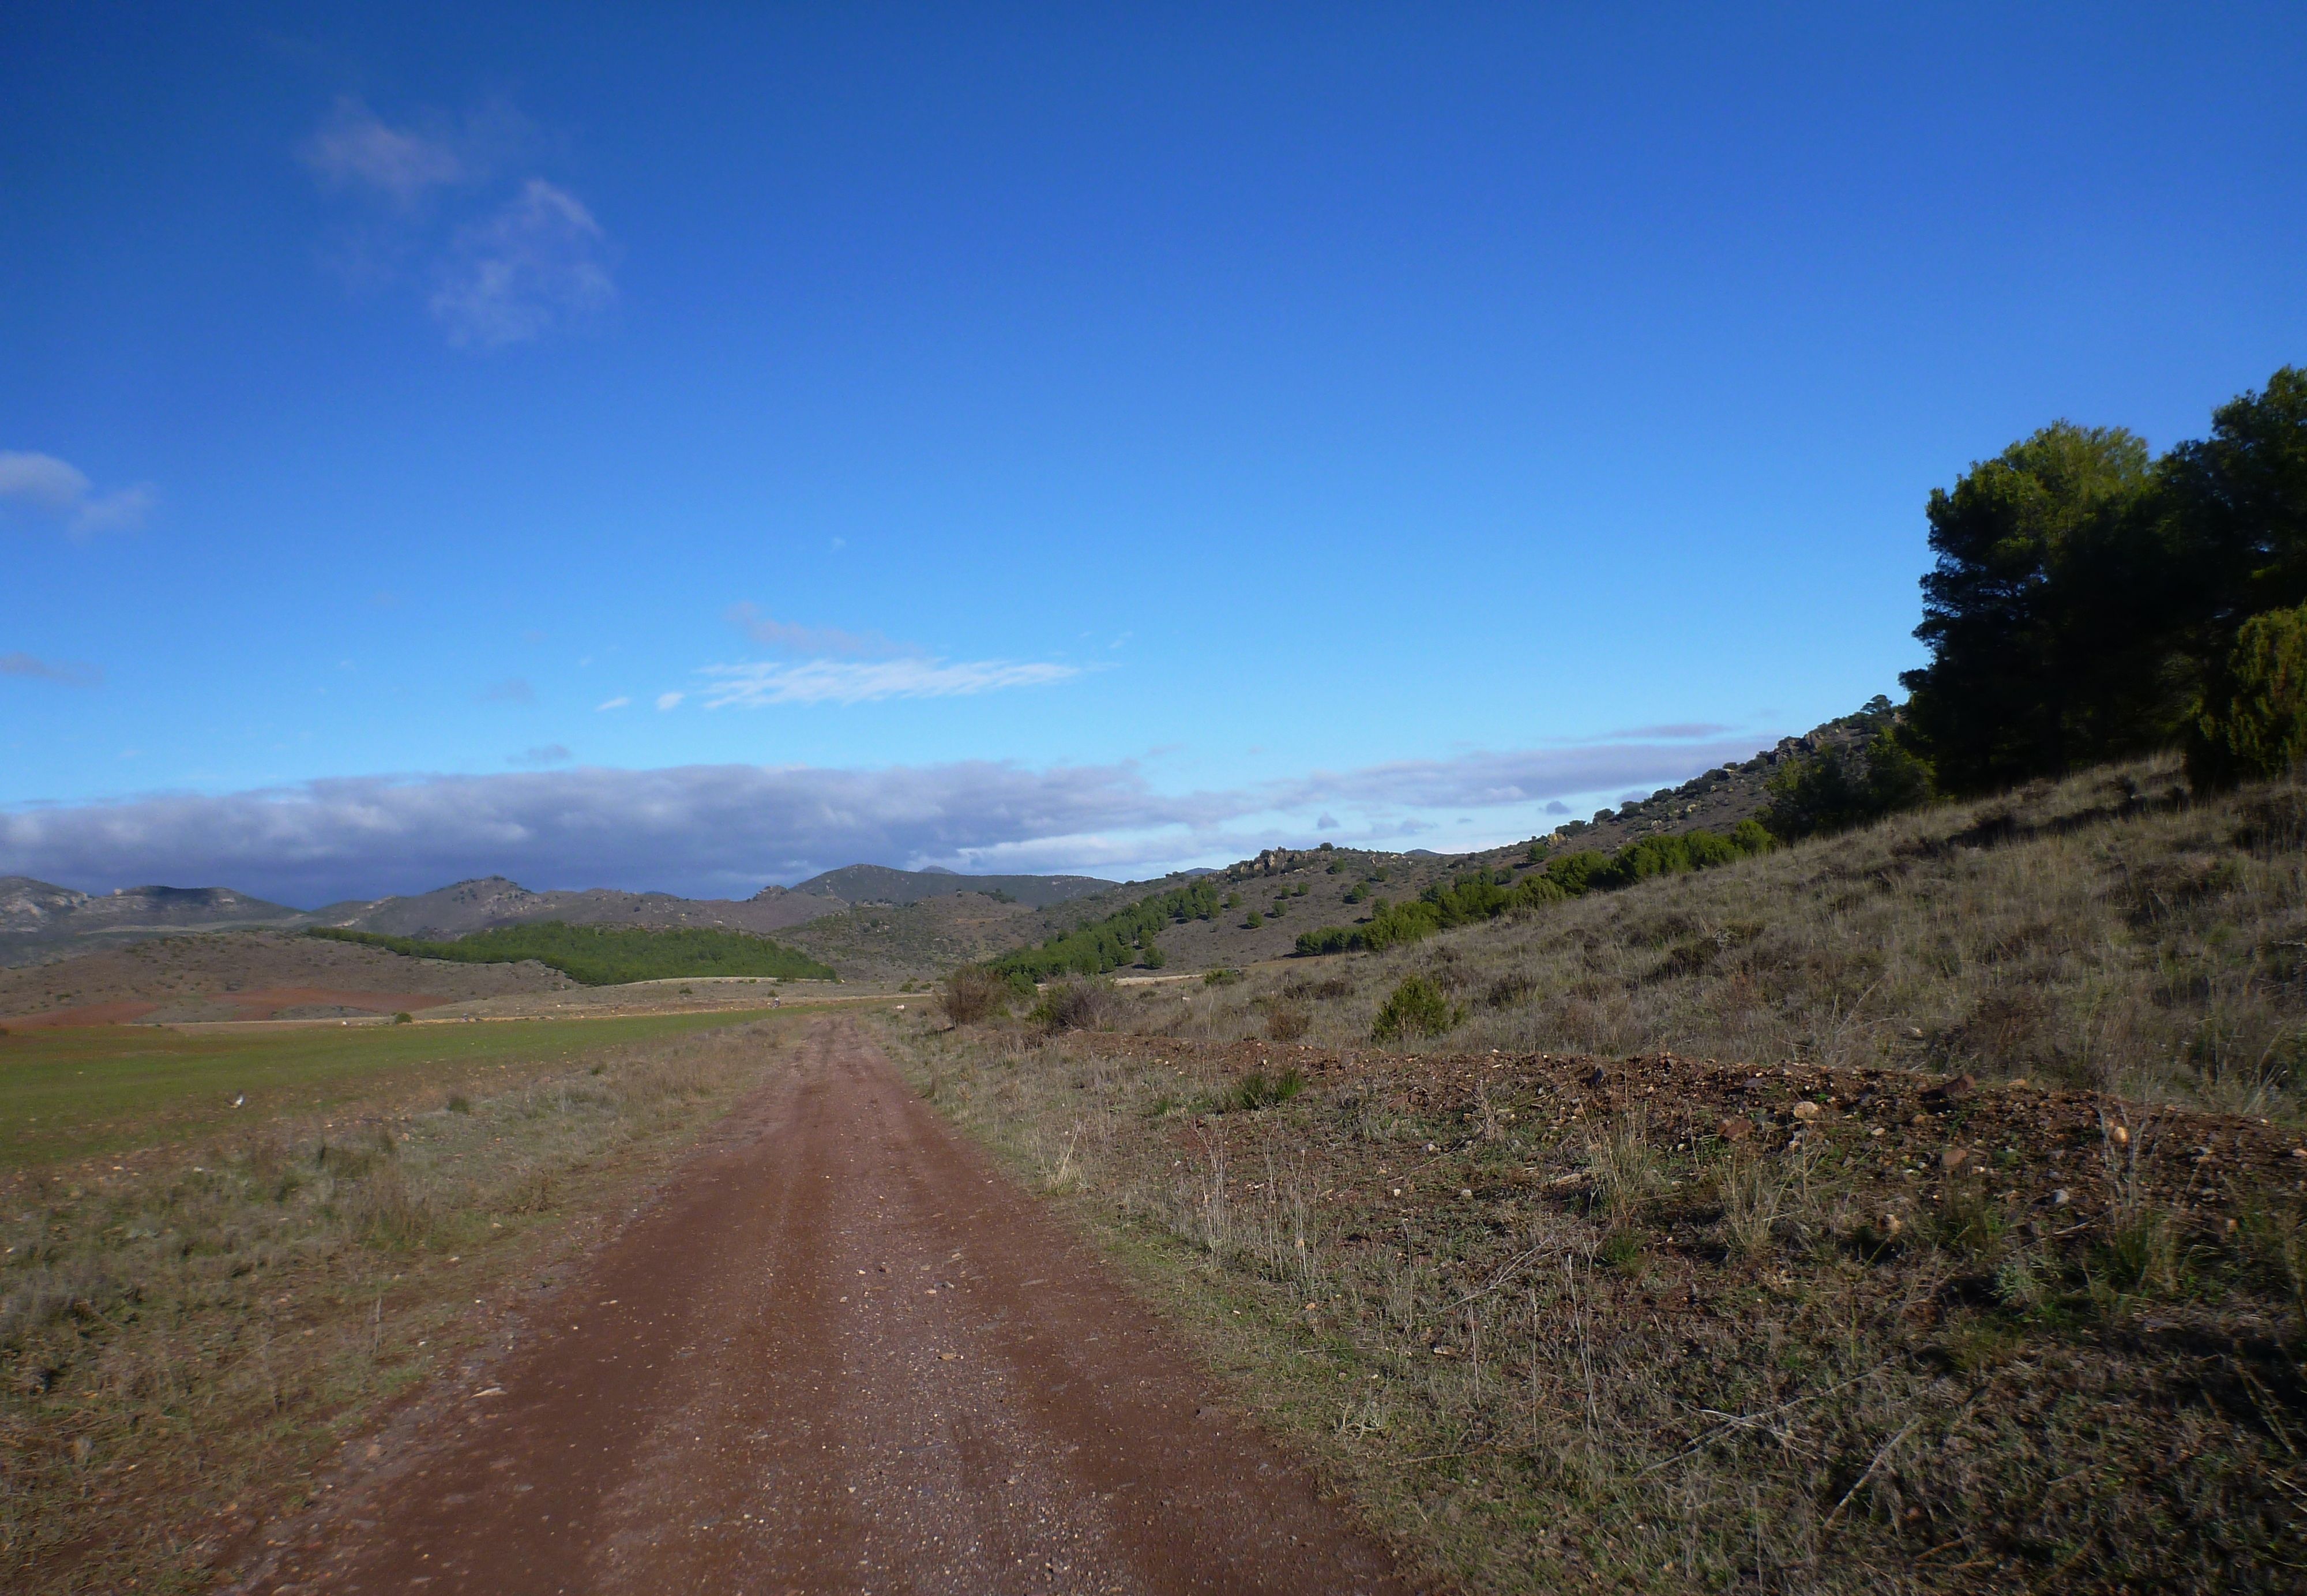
(690, 446)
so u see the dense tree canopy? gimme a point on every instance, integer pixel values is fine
(2085, 596)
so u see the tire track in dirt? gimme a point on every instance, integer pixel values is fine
(843, 1353)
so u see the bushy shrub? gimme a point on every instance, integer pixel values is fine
(1330, 939)
(2252, 723)
(972, 994)
(1839, 788)
(1252, 921)
(1079, 1004)
(1154, 957)
(1416, 1008)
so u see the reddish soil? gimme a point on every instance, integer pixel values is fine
(841, 1352)
(204, 977)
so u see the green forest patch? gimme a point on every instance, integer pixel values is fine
(607, 955)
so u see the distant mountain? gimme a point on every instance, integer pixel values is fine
(38, 918)
(878, 884)
(466, 906)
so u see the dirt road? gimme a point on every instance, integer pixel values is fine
(842, 1354)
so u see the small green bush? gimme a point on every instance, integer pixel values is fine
(1254, 921)
(1416, 1008)
(1255, 1091)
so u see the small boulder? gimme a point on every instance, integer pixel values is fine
(1953, 1159)
(1805, 1110)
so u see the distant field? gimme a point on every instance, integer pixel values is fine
(607, 955)
(75, 1093)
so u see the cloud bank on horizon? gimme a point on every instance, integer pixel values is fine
(722, 829)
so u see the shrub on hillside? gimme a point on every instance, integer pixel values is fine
(1416, 1008)
(2254, 720)
(972, 994)
(1839, 788)
(1079, 1004)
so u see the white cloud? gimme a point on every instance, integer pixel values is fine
(539, 261)
(354, 146)
(62, 671)
(57, 488)
(723, 829)
(810, 639)
(858, 681)
(666, 700)
(618, 702)
(550, 754)
(1486, 780)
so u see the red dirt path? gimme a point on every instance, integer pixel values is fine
(842, 1354)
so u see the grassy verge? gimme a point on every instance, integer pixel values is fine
(185, 1342)
(74, 1093)
(1688, 1329)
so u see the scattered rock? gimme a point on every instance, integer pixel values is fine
(1955, 1158)
(1735, 1130)
(2062, 1198)
(2119, 1135)
(1596, 1075)
(1805, 1109)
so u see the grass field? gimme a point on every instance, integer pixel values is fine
(189, 1336)
(77, 1093)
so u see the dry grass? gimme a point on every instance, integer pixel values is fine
(1553, 1333)
(185, 1341)
(2104, 932)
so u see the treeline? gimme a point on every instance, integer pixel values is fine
(1126, 937)
(2091, 602)
(1472, 900)
(606, 954)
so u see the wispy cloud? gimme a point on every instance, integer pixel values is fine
(540, 262)
(513, 690)
(812, 640)
(616, 703)
(500, 268)
(550, 754)
(61, 491)
(667, 700)
(61, 670)
(1484, 780)
(860, 681)
(356, 148)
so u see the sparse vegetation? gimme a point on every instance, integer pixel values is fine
(1554, 1328)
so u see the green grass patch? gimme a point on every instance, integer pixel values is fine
(607, 955)
(73, 1093)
